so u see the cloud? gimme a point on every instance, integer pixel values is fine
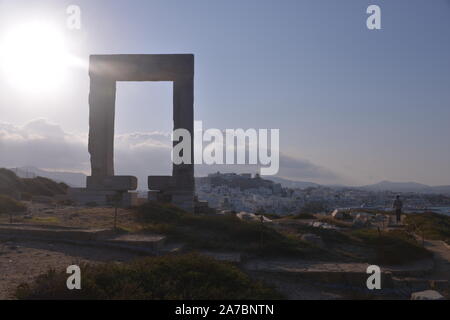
(143, 154)
(46, 145)
(293, 168)
(41, 144)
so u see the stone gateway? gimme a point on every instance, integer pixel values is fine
(104, 72)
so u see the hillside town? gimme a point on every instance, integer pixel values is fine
(244, 192)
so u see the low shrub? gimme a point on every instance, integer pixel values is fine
(431, 225)
(313, 207)
(158, 212)
(45, 219)
(392, 247)
(304, 216)
(221, 232)
(11, 184)
(10, 205)
(179, 277)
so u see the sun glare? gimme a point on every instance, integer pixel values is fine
(34, 57)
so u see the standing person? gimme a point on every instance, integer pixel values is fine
(398, 205)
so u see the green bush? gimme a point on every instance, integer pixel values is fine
(392, 247)
(9, 205)
(432, 225)
(313, 207)
(221, 232)
(41, 186)
(304, 216)
(11, 184)
(191, 277)
(158, 212)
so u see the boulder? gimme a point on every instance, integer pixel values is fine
(336, 214)
(323, 225)
(246, 216)
(427, 295)
(252, 217)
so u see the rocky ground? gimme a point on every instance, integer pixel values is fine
(441, 252)
(23, 260)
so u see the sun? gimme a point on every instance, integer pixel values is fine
(34, 57)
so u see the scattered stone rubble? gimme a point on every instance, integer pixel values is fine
(427, 295)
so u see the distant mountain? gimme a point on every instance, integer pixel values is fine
(441, 189)
(72, 179)
(380, 186)
(291, 183)
(405, 187)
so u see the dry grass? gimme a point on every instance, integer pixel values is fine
(101, 218)
(86, 218)
(431, 225)
(46, 220)
(221, 232)
(229, 233)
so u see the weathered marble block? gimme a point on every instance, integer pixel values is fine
(161, 183)
(112, 183)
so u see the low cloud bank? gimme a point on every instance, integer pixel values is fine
(43, 144)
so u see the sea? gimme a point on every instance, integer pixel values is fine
(441, 210)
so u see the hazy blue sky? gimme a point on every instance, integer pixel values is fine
(352, 105)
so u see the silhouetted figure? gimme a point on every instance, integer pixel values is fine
(398, 205)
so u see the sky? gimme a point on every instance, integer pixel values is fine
(354, 106)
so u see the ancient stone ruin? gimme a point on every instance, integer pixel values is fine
(104, 70)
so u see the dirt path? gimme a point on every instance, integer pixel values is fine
(23, 261)
(441, 257)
